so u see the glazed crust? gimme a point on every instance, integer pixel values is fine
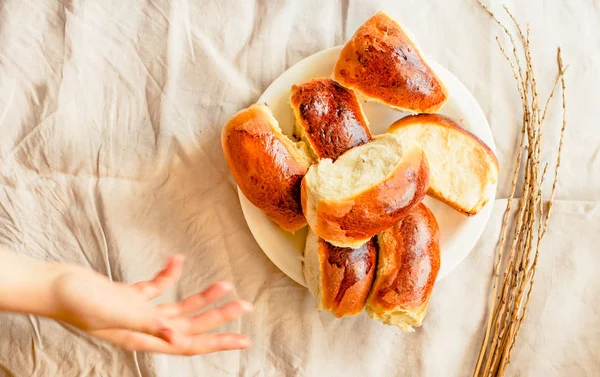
(346, 276)
(266, 165)
(354, 221)
(444, 121)
(330, 116)
(408, 264)
(383, 64)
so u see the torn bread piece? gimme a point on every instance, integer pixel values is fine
(339, 278)
(463, 169)
(365, 191)
(381, 63)
(407, 267)
(267, 166)
(329, 118)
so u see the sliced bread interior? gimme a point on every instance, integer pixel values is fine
(365, 191)
(357, 170)
(463, 169)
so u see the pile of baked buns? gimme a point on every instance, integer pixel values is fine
(372, 244)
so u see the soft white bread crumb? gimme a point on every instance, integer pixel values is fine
(357, 170)
(463, 171)
(365, 191)
(403, 319)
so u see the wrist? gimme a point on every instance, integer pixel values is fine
(28, 285)
(50, 303)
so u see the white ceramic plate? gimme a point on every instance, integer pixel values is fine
(458, 233)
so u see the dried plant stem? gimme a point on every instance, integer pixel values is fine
(501, 243)
(510, 36)
(532, 269)
(516, 261)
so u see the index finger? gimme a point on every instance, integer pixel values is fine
(167, 276)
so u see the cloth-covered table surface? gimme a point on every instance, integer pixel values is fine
(110, 157)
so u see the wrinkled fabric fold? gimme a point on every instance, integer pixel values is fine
(110, 157)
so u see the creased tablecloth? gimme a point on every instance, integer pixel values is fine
(110, 115)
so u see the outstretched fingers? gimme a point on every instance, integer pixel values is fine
(167, 276)
(208, 343)
(196, 302)
(216, 317)
(210, 319)
(182, 345)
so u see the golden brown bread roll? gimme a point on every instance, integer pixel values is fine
(267, 166)
(329, 118)
(463, 169)
(365, 191)
(383, 64)
(407, 266)
(339, 278)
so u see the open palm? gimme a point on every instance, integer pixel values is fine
(123, 315)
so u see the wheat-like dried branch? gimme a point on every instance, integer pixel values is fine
(511, 290)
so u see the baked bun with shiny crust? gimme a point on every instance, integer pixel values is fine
(463, 169)
(267, 166)
(365, 191)
(407, 266)
(339, 278)
(383, 64)
(329, 118)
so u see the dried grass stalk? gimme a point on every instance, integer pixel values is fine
(516, 262)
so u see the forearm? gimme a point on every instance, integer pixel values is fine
(27, 285)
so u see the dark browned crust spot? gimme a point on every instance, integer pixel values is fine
(347, 276)
(331, 117)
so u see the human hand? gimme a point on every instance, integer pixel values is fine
(122, 314)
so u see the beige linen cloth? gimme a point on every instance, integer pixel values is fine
(110, 116)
